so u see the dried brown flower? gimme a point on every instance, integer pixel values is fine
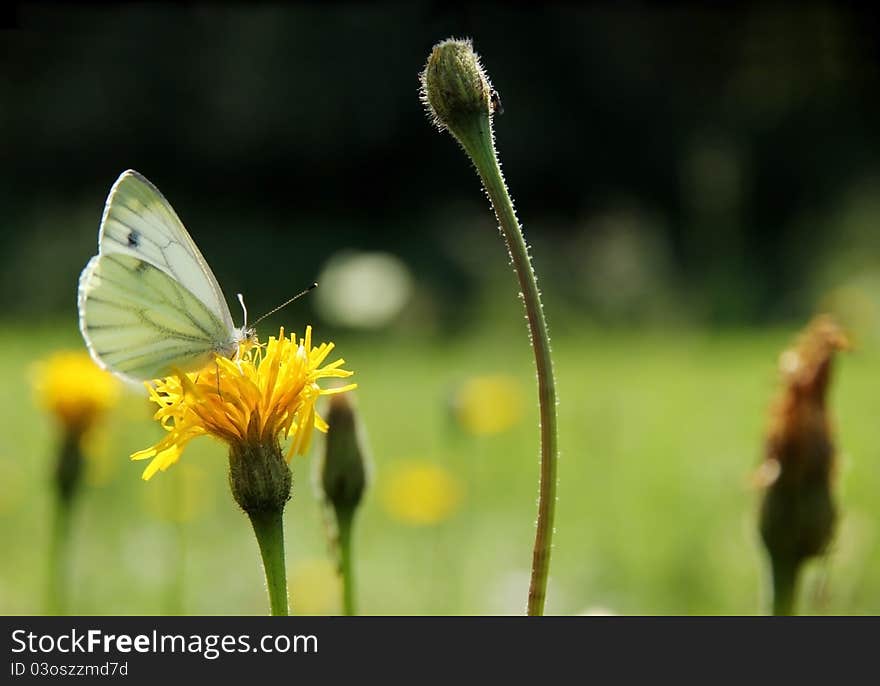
(798, 512)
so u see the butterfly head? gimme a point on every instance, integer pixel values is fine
(245, 339)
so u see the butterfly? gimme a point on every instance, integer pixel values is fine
(149, 304)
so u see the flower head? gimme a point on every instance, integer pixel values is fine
(799, 436)
(798, 512)
(71, 387)
(267, 394)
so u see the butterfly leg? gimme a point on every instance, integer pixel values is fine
(217, 367)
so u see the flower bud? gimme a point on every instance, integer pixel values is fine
(343, 471)
(454, 85)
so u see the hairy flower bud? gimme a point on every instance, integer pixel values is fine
(454, 85)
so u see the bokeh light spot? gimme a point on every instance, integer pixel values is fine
(365, 290)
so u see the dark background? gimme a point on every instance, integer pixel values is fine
(684, 163)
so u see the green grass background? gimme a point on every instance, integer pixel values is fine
(659, 433)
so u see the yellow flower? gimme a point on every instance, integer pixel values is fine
(487, 405)
(71, 387)
(421, 493)
(268, 393)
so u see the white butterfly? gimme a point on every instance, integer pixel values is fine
(149, 304)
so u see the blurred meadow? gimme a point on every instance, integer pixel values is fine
(695, 185)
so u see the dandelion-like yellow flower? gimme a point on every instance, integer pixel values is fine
(421, 493)
(71, 387)
(267, 394)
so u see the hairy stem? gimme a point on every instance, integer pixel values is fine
(478, 143)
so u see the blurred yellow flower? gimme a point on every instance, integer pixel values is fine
(421, 493)
(489, 404)
(71, 387)
(268, 393)
(314, 587)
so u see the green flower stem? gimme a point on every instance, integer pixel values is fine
(269, 529)
(68, 471)
(785, 577)
(59, 545)
(345, 524)
(475, 136)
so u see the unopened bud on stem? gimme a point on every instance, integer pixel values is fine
(455, 88)
(343, 472)
(459, 98)
(342, 480)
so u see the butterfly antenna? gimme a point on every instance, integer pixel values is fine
(286, 303)
(244, 309)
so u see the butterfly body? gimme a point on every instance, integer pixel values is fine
(149, 304)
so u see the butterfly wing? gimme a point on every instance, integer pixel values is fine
(140, 222)
(141, 323)
(148, 302)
